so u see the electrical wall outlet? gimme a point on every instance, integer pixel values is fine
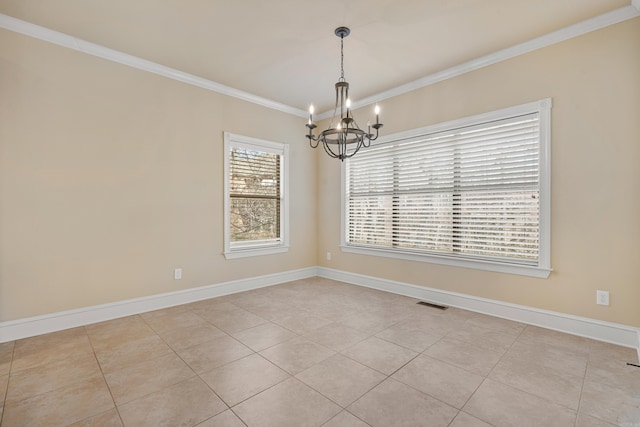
(328, 256)
(177, 274)
(602, 297)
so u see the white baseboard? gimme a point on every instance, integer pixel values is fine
(613, 333)
(32, 326)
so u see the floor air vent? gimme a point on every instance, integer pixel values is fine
(429, 304)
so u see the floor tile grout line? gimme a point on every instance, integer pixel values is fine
(200, 343)
(295, 332)
(409, 385)
(522, 391)
(506, 352)
(424, 393)
(584, 379)
(270, 346)
(528, 392)
(116, 405)
(485, 377)
(6, 391)
(461, 411)
(156, 391)
(215, 393)
(198, 375)
(341, 350)
(60, 387)
(458, 366)
(451, 364)
(186, 348)
(350, 413)
(289, 376)
(238, 416)
(400, 345)
(584, 382)
(354, 360)
(388, 376)
(329, 398)
(43, 392)
(253, 395)
(104, 378)
(355, 415)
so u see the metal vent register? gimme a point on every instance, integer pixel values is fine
(432, 305)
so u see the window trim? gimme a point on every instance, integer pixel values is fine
(263, 247)
(543, 267)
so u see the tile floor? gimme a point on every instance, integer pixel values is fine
(315, 352)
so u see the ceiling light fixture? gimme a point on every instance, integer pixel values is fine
(343, 138)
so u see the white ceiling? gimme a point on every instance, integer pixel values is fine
(286, 50)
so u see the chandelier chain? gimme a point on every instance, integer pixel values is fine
(341, 58)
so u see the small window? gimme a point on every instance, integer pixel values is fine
(472, 193)
(256, 202)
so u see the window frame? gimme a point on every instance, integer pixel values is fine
(543, 267)
(233, 250)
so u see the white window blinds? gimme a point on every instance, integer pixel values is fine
(469, 192)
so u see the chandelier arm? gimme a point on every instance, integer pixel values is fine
(343, 97)
(311, 136)
(329, 151)
(335, 111)
(377, 127)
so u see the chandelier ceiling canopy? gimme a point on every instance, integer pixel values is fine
(343, 138)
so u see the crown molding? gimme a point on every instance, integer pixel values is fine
(610, 18)
(65, 40)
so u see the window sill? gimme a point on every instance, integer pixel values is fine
(521, 270)
(249, 252)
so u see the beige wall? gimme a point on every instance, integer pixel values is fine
(594, 81)
(111, 177)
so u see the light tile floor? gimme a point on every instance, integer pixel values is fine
(315, 352)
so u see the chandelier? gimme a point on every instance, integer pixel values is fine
(343, 138)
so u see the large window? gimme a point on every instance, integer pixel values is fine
(255, 196)
(472, 192)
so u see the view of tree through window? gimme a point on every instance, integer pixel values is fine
(254, 195)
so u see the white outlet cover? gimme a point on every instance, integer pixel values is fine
(177, 274)
(602, 297)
